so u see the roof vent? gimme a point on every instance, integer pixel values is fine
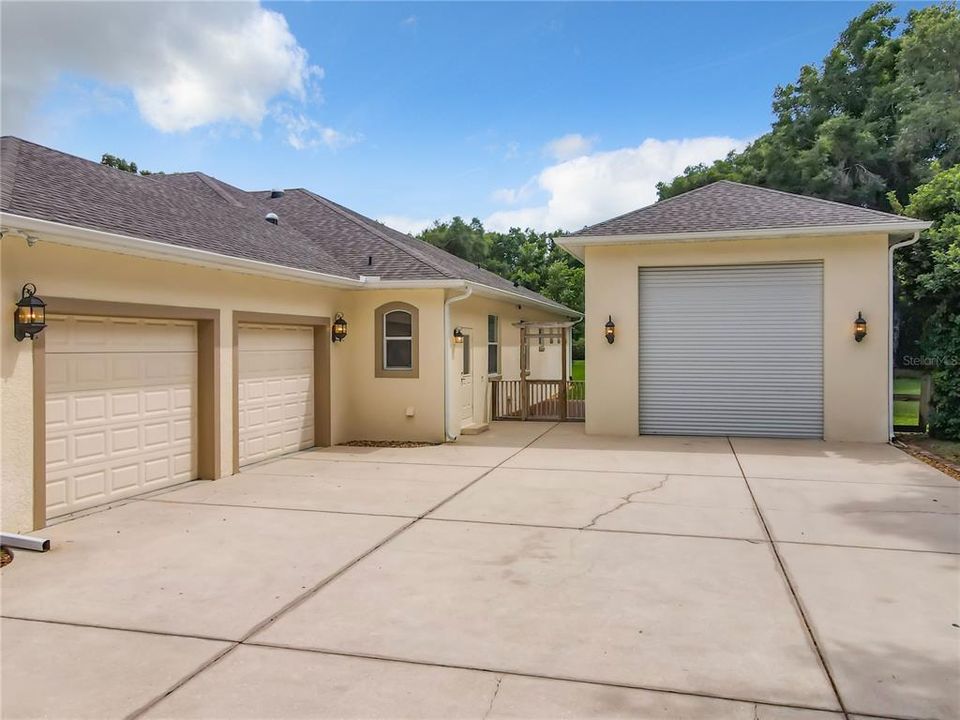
(276, 193)
(272, 218)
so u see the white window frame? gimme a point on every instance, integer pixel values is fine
(393, 338)
(495, 343)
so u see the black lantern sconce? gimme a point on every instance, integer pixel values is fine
(859, 327)
(339, 330)
(610, 330)
(28, 318)
(458, 336)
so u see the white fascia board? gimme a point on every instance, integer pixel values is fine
(476, 288)
(99, 240)
(575, 245)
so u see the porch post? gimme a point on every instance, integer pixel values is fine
(524, 358)
(563, 374)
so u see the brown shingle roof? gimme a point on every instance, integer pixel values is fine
(726, 206)
(198, 211)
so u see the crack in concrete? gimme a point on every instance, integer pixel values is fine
(624, 501)
(496, 691)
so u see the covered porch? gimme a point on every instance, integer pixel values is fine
(539, 398)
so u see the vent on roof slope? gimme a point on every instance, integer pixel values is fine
(272, 218)
(276, 193)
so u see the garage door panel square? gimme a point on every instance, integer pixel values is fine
(187, 569)
(124, 439)
(156, 469)
(592, 606)
(125, 477)
(92, 485)
(89, 408)
(90, 446)
(124, 404)
(56, 452)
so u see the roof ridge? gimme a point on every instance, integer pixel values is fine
(214, 185)
(376, 231)
(809, 197)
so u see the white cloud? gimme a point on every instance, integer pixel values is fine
(409, 22)
(304, 133)
(186, 64)
(407, 224)
(595, 187)
(569, 146)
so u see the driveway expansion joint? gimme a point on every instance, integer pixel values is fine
(790, 586)
(313, 590)
(504, 673)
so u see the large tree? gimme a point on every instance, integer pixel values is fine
(883, 105)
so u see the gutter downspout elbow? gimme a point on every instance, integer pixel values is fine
(450, 430)
(890, 358)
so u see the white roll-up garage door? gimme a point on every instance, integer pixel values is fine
(732, 350)
(276, 387)
(121, 399)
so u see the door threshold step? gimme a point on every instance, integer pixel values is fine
(474, 429)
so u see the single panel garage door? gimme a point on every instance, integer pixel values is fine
(732, 350)
(121, 399)
(275, 390)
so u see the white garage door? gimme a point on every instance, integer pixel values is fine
(121, 398)
(733, 350)
(275, 390)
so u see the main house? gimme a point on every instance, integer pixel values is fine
(739, 310)
(192, 329)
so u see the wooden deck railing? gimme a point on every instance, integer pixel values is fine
(538, 400)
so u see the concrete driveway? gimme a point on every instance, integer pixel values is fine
(529, 572)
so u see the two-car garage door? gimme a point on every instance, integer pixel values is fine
(732, 350)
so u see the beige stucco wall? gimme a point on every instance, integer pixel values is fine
(376, 407)
(855, 278)
(362, 406)
(472, 313)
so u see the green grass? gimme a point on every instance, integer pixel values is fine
(906, 412)
(579, 368)
(906, 386)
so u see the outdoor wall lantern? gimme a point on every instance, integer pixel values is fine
(339, 330)
(458, 335)
(859, 327)
(28, 318)
(610, 330)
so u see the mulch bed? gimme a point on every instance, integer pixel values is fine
(388, 444)
(6, 557)
(944, 466)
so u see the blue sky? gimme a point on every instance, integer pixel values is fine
(543, 114)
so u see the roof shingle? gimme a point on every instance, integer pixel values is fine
(725, 206)
(198, 211)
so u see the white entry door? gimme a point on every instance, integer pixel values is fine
(464, 360)
(732, 350)
(275, 390)
(121, 408)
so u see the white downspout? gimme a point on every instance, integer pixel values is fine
(896, 246)
(451, 429)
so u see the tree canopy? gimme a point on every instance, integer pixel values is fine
(120, 164)
(871, 119)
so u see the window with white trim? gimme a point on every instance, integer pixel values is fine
(493, 345)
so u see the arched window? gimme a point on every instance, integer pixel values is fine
(397, 342)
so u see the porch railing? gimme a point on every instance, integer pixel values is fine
(538, 400)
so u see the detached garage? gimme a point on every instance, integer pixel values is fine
(730, 310)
